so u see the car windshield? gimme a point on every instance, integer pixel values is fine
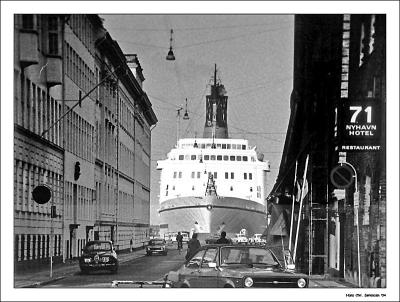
(156, 242)
(98, 246)
(247, 255)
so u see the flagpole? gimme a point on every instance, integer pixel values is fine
(293, 200)
(300, 207)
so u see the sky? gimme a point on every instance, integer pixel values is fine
(254, 58)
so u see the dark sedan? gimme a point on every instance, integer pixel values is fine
(235, 266)
(157, 246)
(98, 255)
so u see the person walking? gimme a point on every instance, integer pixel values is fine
(223, 239)
(193, 246)
(179, 240)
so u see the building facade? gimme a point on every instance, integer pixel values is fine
(339, 59)
(82, 125)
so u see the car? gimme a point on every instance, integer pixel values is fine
(256, 239)
(232, 266)
(157, 246)
(98, 255)
(185, 237)
(240, 239)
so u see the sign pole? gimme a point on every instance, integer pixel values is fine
(292, 215)
(300, 207)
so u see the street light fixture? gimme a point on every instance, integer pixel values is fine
(170, 56)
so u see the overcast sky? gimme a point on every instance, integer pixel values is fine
(254, 57)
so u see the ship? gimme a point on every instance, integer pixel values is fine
(213, 183)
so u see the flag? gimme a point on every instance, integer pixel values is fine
(299, 184)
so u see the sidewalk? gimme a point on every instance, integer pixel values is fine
(327, 281)
(40, 277)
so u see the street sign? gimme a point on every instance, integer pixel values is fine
(360, 125)
(342, 176)
(41, 194)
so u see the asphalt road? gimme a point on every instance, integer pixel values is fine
(146, 268)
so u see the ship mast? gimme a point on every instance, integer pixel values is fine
(214, 105)
(216, 112)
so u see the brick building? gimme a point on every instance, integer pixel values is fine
(83, 127)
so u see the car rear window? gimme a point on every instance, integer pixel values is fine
(98, 246)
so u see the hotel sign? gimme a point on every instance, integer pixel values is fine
(360, 125)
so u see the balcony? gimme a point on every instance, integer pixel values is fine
(54, 70)
(28, 47)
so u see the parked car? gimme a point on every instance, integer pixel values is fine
(240, 239)
(256, 239)
(230, 266)
(98, 255)
(157, 246)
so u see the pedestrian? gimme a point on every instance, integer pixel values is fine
(131, 245)
(223, 239)
(193, 246)
(179, 240)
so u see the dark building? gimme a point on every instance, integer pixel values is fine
(338, 60)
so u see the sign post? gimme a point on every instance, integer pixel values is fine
(42, 195)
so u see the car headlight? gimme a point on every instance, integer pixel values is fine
(301, 283)
(87, 260)
(248, 282)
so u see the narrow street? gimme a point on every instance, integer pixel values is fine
(146, 268)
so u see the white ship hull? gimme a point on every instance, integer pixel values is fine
(210, 215)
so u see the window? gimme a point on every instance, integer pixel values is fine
(173, 188)
(218, 146)
(181, 157)
(245, 175)
(192, 188)
(232, 175)
(244, 158)
(215, 175)
(251, 189)
(226, 157)
(209, 257)
(175, 174)
(232, 157)
(27, 22)
(206, 157)
(226, 175)
(187, 157)
(212, 157)
(193, 174)
(231, 188)
(202, 146)
(238, 158)
(243, 147)
(228, 146)
(180, 174)
(193, 157)
(219, 157)
(53, 35)
(233, 146)
(250, 176)
(223, 146)
(198, 174)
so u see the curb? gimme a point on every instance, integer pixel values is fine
(42, 283)
(49, 281)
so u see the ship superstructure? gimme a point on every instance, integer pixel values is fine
(213, 183)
